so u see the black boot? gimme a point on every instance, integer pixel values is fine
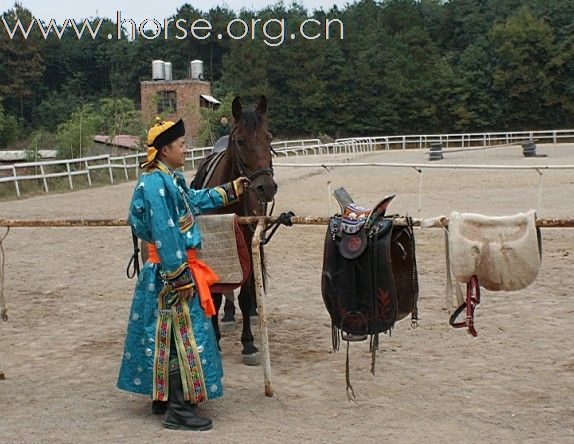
(180, 413)
(158, 407)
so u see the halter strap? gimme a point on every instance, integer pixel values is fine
(243, 169)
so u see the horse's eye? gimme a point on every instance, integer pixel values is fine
(240, 143)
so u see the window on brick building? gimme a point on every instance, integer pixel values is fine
(167, 102)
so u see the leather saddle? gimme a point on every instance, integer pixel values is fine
(369, 277)
(221, 144)
(366, 260)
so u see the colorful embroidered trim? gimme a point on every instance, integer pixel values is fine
(162, 350)
(178, 317)
(186, 222)
(189, 362)
(179, 278)
(228, 193)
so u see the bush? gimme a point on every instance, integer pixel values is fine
(10, 129)
(109, 117)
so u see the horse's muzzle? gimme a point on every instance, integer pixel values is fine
(265, 189)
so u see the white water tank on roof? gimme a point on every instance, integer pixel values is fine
(158, 70)
(196, 69)
(168, 71)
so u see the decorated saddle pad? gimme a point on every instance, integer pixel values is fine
(223, 248)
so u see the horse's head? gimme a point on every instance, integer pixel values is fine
(250, 141)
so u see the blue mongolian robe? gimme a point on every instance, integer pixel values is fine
(162, 212)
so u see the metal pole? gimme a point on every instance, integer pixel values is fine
(420, 179)
(539, 208)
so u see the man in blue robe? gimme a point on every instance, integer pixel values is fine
(170, 348)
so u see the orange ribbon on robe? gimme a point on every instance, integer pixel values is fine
(203, 277)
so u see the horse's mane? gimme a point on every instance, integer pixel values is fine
(251, 120)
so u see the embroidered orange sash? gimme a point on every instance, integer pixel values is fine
(203, 277)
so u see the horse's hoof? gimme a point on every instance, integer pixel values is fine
(252, 360)
(227, 326)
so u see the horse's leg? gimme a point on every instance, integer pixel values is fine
(229, 308)
(250, 352)
(217, 298)
(253, 307)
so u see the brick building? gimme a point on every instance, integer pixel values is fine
(175, 99)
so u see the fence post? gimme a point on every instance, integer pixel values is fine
(404, 143)
(69, 175)
(16, 181)
(110, 170)
(44, 179)
(125, 167)
(554, 136)
(88, 173)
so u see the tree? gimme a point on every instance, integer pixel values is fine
(9, 128)
(22, 62)
(476, 108)
(77, 132)
(523, 47)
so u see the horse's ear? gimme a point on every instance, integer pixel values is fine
(236, 109)
(262, 106)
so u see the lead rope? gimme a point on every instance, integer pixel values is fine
(3, 309)
(135, 259)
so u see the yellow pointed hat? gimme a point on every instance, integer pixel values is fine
(161, 134)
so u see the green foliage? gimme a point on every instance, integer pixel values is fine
(22, 64)
(9, 128)
(108, 117)
(524, 46)
(76, 134)
(120, 117)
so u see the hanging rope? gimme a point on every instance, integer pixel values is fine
(3, 310)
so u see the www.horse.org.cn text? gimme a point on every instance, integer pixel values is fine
(272, 31)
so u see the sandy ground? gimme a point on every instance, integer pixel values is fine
(68, 301)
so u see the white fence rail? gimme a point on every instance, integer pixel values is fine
(463, 140)
(303, 147)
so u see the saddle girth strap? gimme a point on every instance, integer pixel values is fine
(471, 301)
(414, 308)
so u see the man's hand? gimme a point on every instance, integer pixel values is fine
(241, 184)
(185, 294)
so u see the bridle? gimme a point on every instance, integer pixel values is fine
(251, 176)
(241, 165)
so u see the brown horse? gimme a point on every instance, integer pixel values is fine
(248, 154)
